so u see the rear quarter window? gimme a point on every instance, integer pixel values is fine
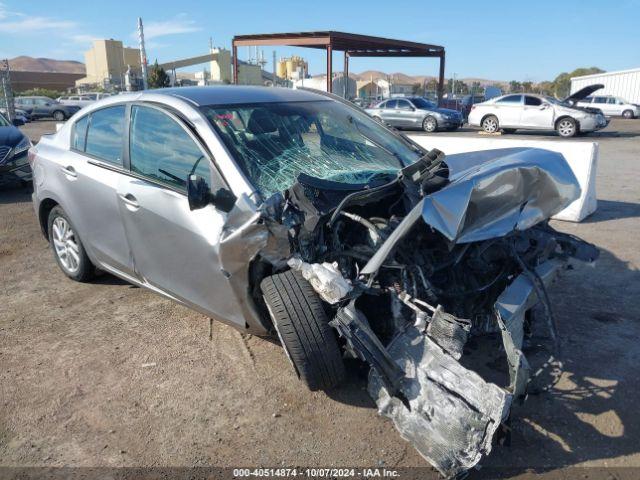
(105, 134)
(79, 134)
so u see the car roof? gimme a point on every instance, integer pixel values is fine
(234, 94)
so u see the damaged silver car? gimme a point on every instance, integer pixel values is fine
(292, 213)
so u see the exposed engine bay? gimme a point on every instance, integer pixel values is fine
(453, 252)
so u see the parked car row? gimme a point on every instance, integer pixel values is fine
(45, 107)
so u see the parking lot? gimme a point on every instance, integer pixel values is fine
(106, 374)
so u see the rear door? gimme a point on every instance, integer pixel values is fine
(175, 250)
(92, 173)
(509, 110)
(536, 113)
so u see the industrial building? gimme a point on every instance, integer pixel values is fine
(110, 64)
(292, 68)
(622, 83)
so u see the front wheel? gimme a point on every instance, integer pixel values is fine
(429, 124)
(627, 114)
(303, 327)
(67, 247)
(58, 116)
(567, 127)
(490, 124)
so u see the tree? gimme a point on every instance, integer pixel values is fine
(158, 78)
(562, 83)
(515, 86)
(527, 86)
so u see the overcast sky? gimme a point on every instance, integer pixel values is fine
(495, 40)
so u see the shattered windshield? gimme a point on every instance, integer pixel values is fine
(274, 142)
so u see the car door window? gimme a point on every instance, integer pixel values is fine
(391, 104)
(161, 150)
(105, 134)
(404, 105)
(532, 101)
(612, 101)
(600, 100)
(510, 99)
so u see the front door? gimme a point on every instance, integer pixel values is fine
(389, 112)
(175, 250)
(406, 114)
(536, 113)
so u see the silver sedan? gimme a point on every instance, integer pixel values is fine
(416, 112)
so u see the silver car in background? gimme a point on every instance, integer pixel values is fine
(415, 112)
(537, 112)
(292, 213)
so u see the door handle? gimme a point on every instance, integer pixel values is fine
(130, 201)
(69, 171)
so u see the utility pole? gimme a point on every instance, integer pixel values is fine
(6, 90)
(275, 78)
(143, 55)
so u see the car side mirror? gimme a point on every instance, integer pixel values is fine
(544, 106)
(199, 195)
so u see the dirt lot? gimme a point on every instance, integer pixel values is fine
(106, 374)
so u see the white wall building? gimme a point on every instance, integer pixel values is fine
(337, 85)
(623, 83)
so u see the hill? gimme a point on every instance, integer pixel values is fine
(30, 64)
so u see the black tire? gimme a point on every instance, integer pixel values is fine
(490, 124)
(303, 327)
(567, 127)
(58, 115)
(85, 270)
(429, 124)
(628, 114)
(509, 130)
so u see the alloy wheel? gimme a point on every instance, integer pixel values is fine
(490, 125)
(566, 128)
(65, 244)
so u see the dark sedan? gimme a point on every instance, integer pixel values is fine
(415, 112)
(45, 107)
(14, 146)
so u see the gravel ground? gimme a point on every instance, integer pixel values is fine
(106, 374)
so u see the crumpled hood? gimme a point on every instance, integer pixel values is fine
(495, 192)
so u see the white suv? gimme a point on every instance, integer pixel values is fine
(612, 106)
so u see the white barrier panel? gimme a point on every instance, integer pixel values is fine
(582, 157)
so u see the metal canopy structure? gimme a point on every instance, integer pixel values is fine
(353, 45)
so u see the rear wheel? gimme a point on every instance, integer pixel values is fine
(490, 124)
(429, 124)
(67, 247)
(303, 327)
(58, 115)
(567, 127)
(627, 114)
